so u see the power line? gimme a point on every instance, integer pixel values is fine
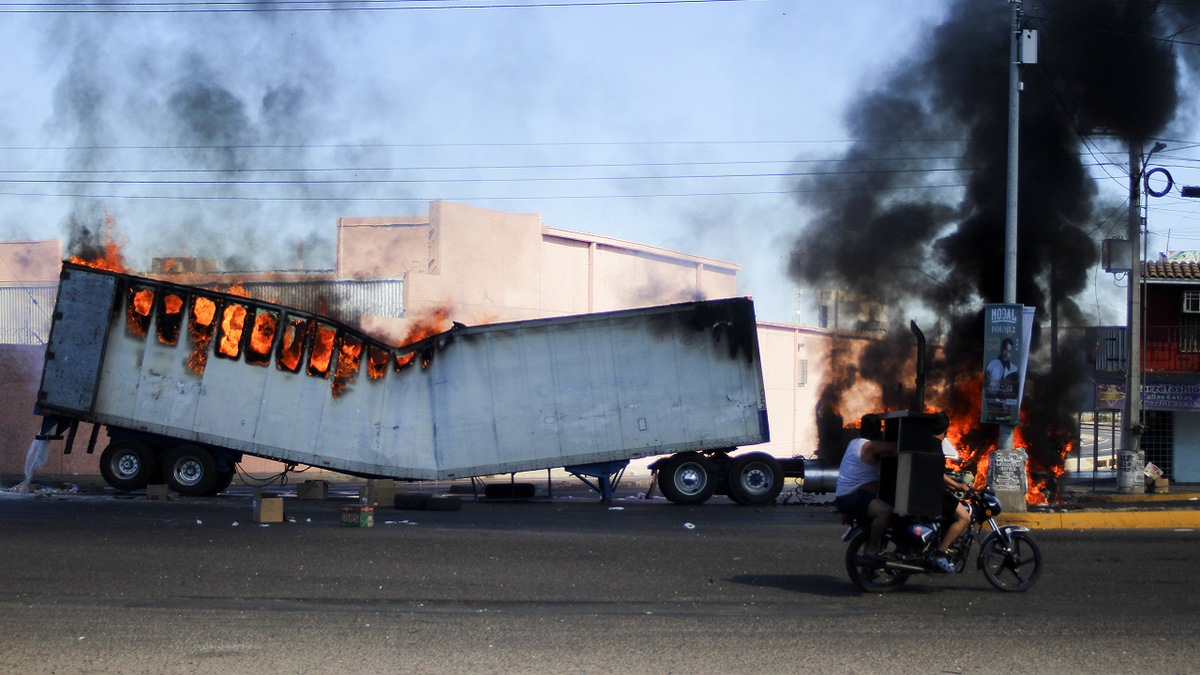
(252, 6)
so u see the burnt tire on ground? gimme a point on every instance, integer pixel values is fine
(755, 479)
(688, 478)
(411, 502)
(190, 470)
(509, 491)
(451, 503)
(128, 464)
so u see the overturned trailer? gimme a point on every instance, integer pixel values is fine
(188, 380)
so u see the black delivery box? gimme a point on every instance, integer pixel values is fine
(911, 480)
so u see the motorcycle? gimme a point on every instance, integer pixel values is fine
(1008, 556)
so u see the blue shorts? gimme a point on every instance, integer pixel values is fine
(855, 504)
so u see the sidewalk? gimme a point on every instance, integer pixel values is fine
(1086, 506)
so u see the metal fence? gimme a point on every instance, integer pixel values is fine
(25, 313)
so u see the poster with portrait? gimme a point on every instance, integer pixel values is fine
(1007, 328)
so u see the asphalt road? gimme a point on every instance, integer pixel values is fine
(92, 584)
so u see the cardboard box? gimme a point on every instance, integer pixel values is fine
(157, 491)
(313, 489)
(1160, 485)
(359, 515)
(378, 491)
(268, 508)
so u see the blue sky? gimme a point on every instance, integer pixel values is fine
(672, 124)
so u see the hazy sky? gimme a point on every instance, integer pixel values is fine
(237, 134)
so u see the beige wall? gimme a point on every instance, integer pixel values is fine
(28, 261)
(488, 266)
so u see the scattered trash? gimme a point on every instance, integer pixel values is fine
(264, 525)
(616, 508)
(689, 526)
(235, 523)
(290, 519)
(199, 522)
(308, 520)
(1152, 471)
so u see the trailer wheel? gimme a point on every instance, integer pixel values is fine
(755, 479)
(688, 478)
(127, 464)
(223, 483)
(190, 470)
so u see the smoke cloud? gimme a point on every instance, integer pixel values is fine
(914, 213)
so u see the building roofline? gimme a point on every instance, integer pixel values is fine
(640, 248)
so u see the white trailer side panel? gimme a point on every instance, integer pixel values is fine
(474, 401)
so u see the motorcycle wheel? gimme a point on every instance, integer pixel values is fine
(870, 579)
(1012, 570)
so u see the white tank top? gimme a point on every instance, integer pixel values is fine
(854, 472)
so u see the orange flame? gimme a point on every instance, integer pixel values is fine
(112, 259)
(262, 336)
(232, 322)
(201, 329)
(169, 319)
(377, 362)
(238, 289)
(293, 345)
(137, 311)
(427, 325)
(322, 351)
(349, 357)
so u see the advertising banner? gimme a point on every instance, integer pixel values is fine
(1110, 396)
(1006, 334)
(1154, 396)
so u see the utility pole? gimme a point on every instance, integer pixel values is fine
(1131, 462)
(1010, 207)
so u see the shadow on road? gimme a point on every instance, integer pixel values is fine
(814, 584)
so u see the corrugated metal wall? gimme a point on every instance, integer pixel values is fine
(25, 314)
(336, 298)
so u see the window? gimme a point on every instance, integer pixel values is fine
(801, 372)
(1191, 302)
(1189, 333)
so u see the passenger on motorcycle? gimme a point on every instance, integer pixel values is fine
(858, 481)
(952, 509)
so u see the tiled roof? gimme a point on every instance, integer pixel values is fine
(1171, 270)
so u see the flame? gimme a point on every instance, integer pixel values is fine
(137, 311)
(232, 322)
(974, 441)
(293, 345)
(201, 330)
(426, 325)
(322, 351)
(169, 319)
(112, 259)
(238, 289)
(377, 362)
(262, 336)
(349, 357)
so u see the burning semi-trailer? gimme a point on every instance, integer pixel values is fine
(186, 380)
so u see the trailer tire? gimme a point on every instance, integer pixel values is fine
(755, 479)
(127, 464)
(411, 501)
(688, 478)
(509, 491)
(223, 483)
(451, 503)
(190, 470)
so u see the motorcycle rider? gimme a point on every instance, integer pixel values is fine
(858, 481)
(952, 509)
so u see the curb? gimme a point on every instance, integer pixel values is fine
(1104, 520)
(1148, 497)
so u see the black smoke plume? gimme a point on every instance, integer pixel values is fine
(897, 225)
